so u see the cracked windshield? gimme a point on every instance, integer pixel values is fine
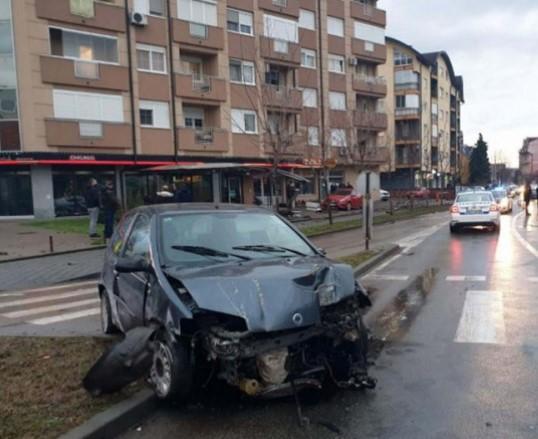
(268, 218)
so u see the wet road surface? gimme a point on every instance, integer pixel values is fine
(457, 316)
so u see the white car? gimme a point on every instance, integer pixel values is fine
(476, 208)
(384, 195)
(503, 200)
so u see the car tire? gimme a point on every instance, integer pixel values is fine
(496, 229)
(107, 325)
(453, 229)
(171, 373)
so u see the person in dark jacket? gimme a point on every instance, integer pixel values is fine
(110, 206)
(93, 203)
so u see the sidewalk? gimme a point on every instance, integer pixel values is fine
(18, 239)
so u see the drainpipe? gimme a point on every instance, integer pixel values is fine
(172, 79)
(131, 81)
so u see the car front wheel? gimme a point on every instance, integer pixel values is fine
(453, 228)
(171, 371)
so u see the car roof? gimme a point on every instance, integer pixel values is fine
(168, 208)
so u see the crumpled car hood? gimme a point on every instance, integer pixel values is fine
(271, 295)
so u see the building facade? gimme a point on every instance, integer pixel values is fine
(423, 104)
(528, 159)
(205, 96)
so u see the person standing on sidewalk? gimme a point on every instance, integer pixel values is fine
(110, 206)
(527, 197)
(93, 203)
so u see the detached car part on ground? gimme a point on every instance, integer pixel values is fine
(228, 292)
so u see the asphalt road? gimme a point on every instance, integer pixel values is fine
(458, 318)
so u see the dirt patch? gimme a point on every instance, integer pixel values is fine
(41, 393)
(358, 258)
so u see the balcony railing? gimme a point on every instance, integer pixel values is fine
(368, 13)
(408, 137)
(93, 134)
(407, 85)
(280, 50)
(370, 120)
(369, 51)
(203, 139)
(198, 35)
(407, 112)
(282, 97)
(370, 85)
(207, 88)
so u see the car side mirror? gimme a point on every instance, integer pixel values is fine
(131, 265)
(322, 251)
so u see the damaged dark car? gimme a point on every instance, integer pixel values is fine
(234, 293)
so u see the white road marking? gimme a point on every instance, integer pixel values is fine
(387, 277)
(53, 287)
(520, 238)
(482, 318)
(44, 309)
(49, 297)
(65, 317)
(466, 278)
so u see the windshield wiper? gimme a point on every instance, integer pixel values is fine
(268, 249)
(206, 251)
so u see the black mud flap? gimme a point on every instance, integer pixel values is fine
(125, 362)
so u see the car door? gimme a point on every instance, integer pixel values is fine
(130, 288)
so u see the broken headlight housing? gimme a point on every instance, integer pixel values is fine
(327, 294)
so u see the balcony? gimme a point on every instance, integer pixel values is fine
(203, 37)
(406, 85)
(374, 86)
(369, 120)
(88, 134)
(63, 71)
(9, 135)
(407, 113)
(409, 137)
(368, 51)
(368, 14)
(203, 140)
(378, 155)
(207, 89)
(105, 16)
(407, 158)
(295, 148)
(286, 7)
(280, 51)
(435, 141)
(282, 98)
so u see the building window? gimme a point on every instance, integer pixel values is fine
(83, 45)
(307, 19)
(338, 138)
(337, 64)
(367, 32)
(402, 59)
(244, 122)
(337, 100)
(154, 114)
(198, 11)
(310, 97)
(335, 26)
(308, 58)
(240, 22)
(280, 29)
(79, 105)
(150, 7)
(194, 117)
(312, 136)
(242, 72)
(151, 58)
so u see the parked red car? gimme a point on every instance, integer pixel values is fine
(343, 199)
(420, 193)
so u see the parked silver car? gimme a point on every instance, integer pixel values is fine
(477, 208)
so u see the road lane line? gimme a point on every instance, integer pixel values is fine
(65, 317)
(49, 297)
(466, 278)
(51, 308)
(482, 318)
(387, 277)
(520, 238)
(52, 288)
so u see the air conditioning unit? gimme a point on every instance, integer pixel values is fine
(139, 18)
(353, 61)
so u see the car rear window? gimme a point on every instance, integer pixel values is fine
(474, 198)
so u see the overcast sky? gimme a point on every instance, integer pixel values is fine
(493, 44)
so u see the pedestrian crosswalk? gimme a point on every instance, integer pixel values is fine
(48, 305)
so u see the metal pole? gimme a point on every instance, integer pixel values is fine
(367, 232)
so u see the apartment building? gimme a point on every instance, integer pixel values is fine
(528, 158)
(205, 96)
(423, 104)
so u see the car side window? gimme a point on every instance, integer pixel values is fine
(137, 245)
(120, 234)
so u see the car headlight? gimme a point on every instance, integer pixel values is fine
(327, 294)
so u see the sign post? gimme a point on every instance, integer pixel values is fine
(367, 211)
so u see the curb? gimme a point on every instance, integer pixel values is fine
(116, 419)
(376, 260)
(48, 255)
